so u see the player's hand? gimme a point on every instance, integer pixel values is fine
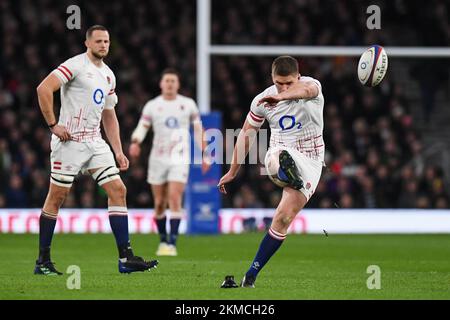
(123, 162)
(61, 132)
(227, 178)
(206, 164)
(135, 150)
(270, 101)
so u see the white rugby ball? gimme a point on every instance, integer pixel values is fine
(372, 66)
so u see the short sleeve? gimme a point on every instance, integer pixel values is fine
(257, 114)
(67, 70)
(315, 81)
(111, 98)
(146, 116)
(194, 115)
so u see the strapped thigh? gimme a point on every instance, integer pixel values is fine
(106, 174)
(62, 179)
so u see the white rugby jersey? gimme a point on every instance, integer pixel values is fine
(86, 90)
(296, 124)
(171, 121)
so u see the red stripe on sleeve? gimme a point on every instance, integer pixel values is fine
(65, 68)
(254, 118)
(146, 118)
(64, 73)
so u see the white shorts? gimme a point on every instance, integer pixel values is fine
(160, 172)
(309, 169)
(70, 157)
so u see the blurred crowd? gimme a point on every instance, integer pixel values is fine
(373, 157)
(338, 23)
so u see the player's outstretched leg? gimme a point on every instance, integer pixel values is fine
(47, 223)
(291, 203)
(118, 218)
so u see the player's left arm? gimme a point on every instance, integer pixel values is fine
(111, 126)
(199, 134)
(300, 90)
(112, 131)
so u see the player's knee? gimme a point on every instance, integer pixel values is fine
(56, 199)
(283, 221)
(122, 191)
(159, 206)
(175, 204)
(175, 200)
(119, 191)
(286, 221)
(285, 217)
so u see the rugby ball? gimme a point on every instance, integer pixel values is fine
(372, 66)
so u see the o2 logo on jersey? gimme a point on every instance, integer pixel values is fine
(172, 122)
(288, 122)
(98, 96)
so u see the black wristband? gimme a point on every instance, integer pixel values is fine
(52, 125)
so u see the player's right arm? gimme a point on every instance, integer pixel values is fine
(243, 144)
(45, 92)
(140, 131)
(254, 121)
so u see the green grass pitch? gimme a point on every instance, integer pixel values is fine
(306, 267)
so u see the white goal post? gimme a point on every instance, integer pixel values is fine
(205, 50)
